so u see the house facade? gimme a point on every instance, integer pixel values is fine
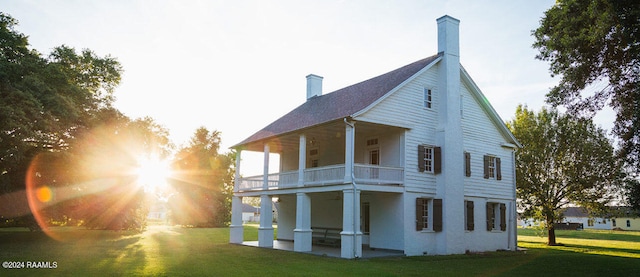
(620, 218)
(414, 160)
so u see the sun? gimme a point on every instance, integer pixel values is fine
(153, 173)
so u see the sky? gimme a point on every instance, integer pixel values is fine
(236, 66)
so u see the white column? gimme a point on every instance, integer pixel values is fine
(349, 140)
(265, 168)
(351, 236)
(302, 233)
(236, 230)
(265, 231)
(302, 160)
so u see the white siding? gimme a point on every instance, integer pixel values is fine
(405, 107)
(481, 137)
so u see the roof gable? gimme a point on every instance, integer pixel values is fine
(340, 103)
(488, 109)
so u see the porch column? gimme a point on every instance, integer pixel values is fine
(236, 230)
(302, 160)
(302, 234)
(351, 236)
(349, 140)
(265, 231)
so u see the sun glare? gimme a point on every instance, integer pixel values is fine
(153, 173)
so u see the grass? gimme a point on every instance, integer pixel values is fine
(175, 251)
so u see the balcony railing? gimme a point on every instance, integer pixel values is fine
(328, 175)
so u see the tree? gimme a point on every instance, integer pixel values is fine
(594, 46)
(44, 103)
(64, 149)
(204, 182)
(106, 193)
(564, 160)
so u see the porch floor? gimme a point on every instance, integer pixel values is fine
(330, 251)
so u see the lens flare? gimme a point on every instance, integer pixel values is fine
(44, 194)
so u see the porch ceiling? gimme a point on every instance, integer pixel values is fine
(323, 132)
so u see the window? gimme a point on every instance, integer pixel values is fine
(496, 216)
(429, 159)
(628, 223)
(468, 215)
(372, 142)
(428, 214)
(467, 164)
(613, 222)
(492, 168)
(589, 222)
(428, 100)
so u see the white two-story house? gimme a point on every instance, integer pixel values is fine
(414, 160)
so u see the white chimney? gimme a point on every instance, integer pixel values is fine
(314, 86)
(448, 35)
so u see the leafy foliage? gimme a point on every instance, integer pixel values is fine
(66, 155)
(594, 46)
(564, 160)
(204, 184)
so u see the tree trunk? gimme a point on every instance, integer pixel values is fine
(552, 236)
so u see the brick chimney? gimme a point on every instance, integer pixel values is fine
(314, 86)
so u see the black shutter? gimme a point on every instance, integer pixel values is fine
(489, 216)
(437, 215)
(419, 211)
(498, 169)
(467, 164)
(486, 166)
(437, 160)
(470, 219)
(421, 158)
(503, 217)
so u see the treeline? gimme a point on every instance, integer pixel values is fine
(68, 157)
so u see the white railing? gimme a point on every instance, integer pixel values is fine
(327, 175)
(379, 175)
(324, 175)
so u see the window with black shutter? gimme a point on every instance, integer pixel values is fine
(437, 215)
(467, 164)
(492, 167)
(469, 217)
(428, 214)
(496, 216)
(429, 159)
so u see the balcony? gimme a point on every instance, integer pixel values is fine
(328, 175)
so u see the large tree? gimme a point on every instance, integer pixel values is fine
(64, 149)
(203, 183)
(594, 46)
(564, 160)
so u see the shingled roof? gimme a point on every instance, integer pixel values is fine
(340, 103)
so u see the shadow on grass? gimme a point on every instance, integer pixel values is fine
(78, 251)
(575, 260)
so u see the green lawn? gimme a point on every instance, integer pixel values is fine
(179, 251)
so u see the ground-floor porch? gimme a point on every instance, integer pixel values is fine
(329, 251)
(343, 221)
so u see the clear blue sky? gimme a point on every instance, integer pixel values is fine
(235, 66)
